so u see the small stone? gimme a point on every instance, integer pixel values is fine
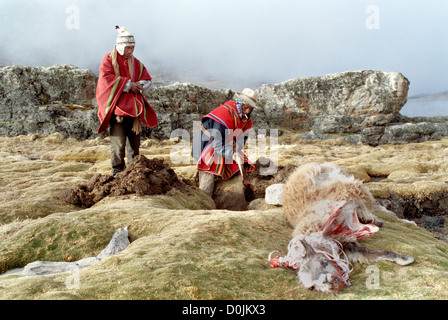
(274, 194)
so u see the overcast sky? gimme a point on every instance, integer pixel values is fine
(237, 43)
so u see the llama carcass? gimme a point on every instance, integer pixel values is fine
(325, 204)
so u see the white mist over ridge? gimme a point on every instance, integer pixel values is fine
(236, 43)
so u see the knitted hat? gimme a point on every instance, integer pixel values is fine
(124, 39)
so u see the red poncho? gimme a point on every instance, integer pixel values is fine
(111, 98)
(210, 161)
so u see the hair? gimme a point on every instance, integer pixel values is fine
(312, 188)
(113, 57)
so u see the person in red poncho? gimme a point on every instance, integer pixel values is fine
(121, 104)
(217, 146)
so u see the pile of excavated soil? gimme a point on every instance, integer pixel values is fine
(142, 177)
(267, 173)
(152, 177)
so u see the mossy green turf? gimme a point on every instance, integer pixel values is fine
(182, 248)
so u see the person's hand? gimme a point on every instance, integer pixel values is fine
(239, 158)
(247, 183)
(136, 87)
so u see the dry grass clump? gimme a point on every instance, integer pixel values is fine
(84, 154)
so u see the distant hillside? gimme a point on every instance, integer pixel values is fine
(429, 97)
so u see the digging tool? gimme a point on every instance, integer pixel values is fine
(249, 193)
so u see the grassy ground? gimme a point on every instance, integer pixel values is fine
(182, 248)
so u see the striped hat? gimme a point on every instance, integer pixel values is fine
(124, 39)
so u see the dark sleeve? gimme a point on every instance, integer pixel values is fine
(218, 138)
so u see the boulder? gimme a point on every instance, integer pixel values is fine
(351, 95)
(354, 102)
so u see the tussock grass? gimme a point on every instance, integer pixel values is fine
(183, 248)
(214, 254)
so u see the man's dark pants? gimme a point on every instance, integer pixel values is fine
(122, 139)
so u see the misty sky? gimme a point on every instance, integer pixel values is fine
(237, 43)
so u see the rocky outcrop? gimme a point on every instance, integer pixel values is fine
(47, 100)
(356, 106)
(178, 105)
(336, 103)
(406, 130)
(415, 130)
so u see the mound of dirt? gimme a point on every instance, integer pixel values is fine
(267, 173)
(142, 177)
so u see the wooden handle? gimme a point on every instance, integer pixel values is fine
(240, 165)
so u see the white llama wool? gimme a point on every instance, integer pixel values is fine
(324, 204)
